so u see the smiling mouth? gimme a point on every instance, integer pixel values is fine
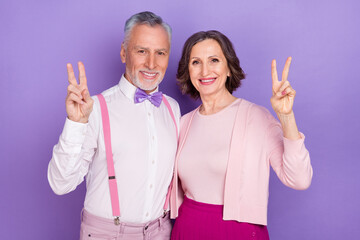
(207, 81)
(149, 75)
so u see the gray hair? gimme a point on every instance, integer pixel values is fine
(147, 18)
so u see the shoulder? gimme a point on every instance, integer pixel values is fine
(257, 113)
(108, 93)
(186, 117)
(172, 102)
(174, 106)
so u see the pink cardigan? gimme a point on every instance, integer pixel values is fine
(257, 141)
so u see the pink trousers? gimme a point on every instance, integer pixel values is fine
(96, 228)
(198, 221)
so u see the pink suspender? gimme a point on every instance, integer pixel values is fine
(109, 158)
(171, 113)
(177, 137)
(110, 162)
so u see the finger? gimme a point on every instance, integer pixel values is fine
(74, 98)
(289, 91)
(274, 74)
(82, 76)
(286, 69)
(86, 95)
(71, 75)
(284, 85)
(74, 89)
(285, 92)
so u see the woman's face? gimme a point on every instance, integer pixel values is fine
(208, 68)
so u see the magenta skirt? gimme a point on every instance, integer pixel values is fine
(198, 221)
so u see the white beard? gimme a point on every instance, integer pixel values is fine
(146, 87)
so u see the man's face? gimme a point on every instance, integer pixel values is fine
(146, 56)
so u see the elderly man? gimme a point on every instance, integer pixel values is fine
(123, 141)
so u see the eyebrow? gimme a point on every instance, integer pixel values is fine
(212, 56)
(157, 50)
(162, 49)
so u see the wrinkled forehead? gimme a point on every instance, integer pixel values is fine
(151, 37)
(206, 48)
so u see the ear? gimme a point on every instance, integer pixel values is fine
(123, 53)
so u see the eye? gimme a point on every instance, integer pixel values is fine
(214, 60)
(195, 62)
(161, 53)
(141, 51)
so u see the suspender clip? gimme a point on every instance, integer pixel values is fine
(117, 221)
(164, 214)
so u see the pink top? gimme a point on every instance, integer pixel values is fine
(256, 143)
(204, 157)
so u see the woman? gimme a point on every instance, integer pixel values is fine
(227, 144)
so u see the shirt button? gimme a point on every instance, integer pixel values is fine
(153, 161)
(153, 138)
(151, 186)
(149, 114)
(147, 214)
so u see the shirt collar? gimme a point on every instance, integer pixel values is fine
(128, 89)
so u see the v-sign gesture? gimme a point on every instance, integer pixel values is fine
(282, 101)
(283, 96)
(78, 102)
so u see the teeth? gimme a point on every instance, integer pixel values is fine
(149, 74)
(210, 80)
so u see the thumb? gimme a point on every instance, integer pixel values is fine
(86, 95)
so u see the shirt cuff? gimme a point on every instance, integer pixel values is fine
(294, 145)
(74, 132)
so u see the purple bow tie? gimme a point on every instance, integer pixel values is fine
(154, 98)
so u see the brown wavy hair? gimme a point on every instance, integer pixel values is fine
(183, 75)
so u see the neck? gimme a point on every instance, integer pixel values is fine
(215, 103)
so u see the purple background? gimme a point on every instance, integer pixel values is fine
(39, 37)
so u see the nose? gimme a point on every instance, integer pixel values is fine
(205, 70)
(150, 62)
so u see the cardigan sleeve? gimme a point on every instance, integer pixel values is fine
(289, 158)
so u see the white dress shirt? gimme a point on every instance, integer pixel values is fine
(144, 146)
